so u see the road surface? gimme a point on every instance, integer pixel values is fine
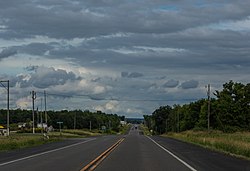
(137, 152)
(70, 155)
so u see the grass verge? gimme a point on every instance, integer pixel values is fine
(144, 129)
(84, 133)
(18, 141)
(237, 144)
(24, 140)
(125, 129)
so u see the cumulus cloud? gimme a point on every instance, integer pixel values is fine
(23, 103)
(189, 84)
(171, 84)
(111, 106)
(44, 77)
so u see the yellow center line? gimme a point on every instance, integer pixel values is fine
(94, 163)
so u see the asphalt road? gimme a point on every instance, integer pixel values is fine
(137, 152)
(201, 158)
(70, 155)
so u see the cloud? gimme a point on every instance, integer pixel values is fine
(97, 50)
(5, 53)
(44, 77)
(171, 84)
(144, 17)
(36, 48)
(23, 103)
(31, 68)
(111, 106)
(13, 80)
(131, 75)
(189, 84)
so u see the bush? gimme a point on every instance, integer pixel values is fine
(231, 129)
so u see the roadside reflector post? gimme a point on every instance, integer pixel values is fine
(60, 123)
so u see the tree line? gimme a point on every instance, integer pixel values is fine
(229, 112)
(71, 119)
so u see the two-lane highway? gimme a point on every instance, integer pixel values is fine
(134, 152)
(139, 153)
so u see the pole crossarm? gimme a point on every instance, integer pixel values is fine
(5, 81)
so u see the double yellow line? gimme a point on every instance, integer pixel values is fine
(93, 164)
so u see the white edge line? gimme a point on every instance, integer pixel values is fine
(46, 152)
(183, 162)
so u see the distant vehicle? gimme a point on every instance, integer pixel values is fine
(135, 127)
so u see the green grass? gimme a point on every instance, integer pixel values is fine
(24, 140)
(232, 143)
(124, 129)
(18, 141)
(145, 129)
(84, 133)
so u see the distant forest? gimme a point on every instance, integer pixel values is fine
(71, 119)
(229, 112)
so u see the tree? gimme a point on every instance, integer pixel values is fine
(233, 106)
(161, 119)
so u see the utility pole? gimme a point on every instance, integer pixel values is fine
(41, 112)
(37, 116)
(75, 121)
(8, 104)
(178, 122)
(166, 125)
(179, 129)
(41, 115)
(208, 107)
(90, 125)
(45, 108)
(8, 108)
(33, 114)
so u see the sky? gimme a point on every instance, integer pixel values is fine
(127, 57)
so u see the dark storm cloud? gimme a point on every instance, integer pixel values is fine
(70, 19)
(36, 48)
(171, 24)
(190, 84)
(171, 84)
(5, 53)
(131, 75)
